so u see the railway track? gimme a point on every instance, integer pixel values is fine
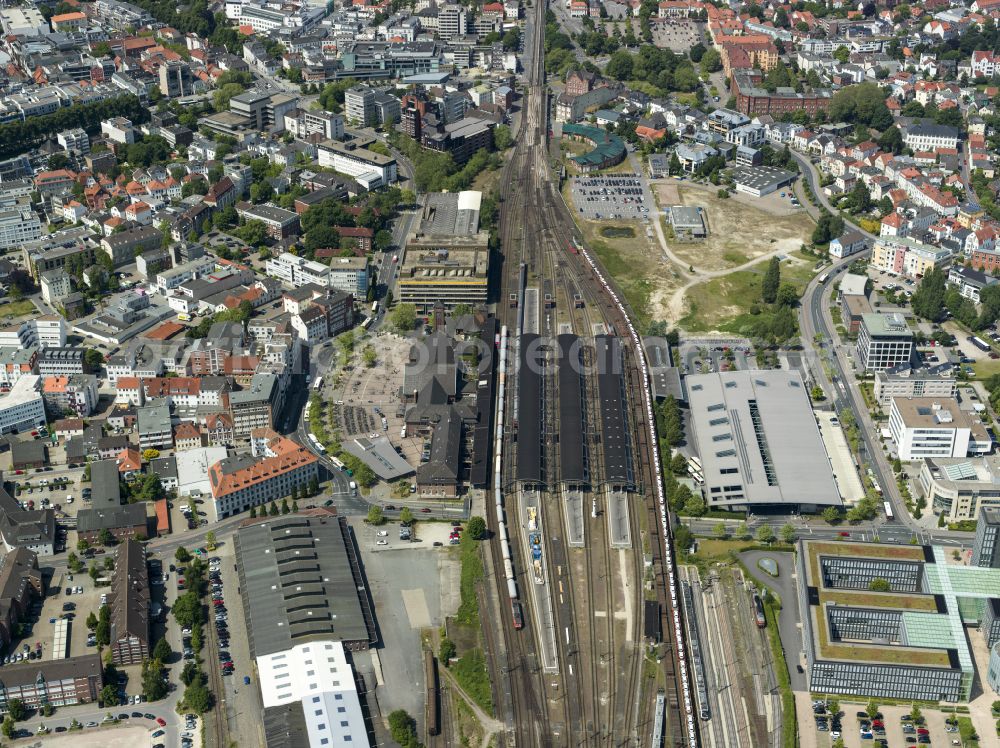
(610, 704)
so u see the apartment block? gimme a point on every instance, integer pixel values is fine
(243, 481)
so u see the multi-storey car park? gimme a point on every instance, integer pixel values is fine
(907, 642)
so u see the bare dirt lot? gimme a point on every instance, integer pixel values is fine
(741, 228)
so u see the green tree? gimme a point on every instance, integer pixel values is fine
(104, 537)
(403, 317)
(764, 534)
(210, 538)
(253, 512)
(787, 533)
(879, 585)
(369, 357)
(831, 514)
(476, 528)
(891, 140)
(8, 727)
(82, 545)
(190, 673)
(711, 62)
(109, 695)
(103, 630)
(285, 509)
(403, 729)
(502, 138)
(446, 651)
(73, 563)
(182, 555)
(406, 516)
(187, 609)
(91, 621)
(313, 486)
(720, 531)
(742, 531)
(842, 54)
(772, 279)
(872, 708)
(928, 300)
(683, 539)
(162, 650)
(17, 710)
(375, 515)
(695, 505)
(197, 697)
(273, 511)
(153, 687)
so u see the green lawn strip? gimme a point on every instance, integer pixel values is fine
(471, 673)
(472, 572)
(789, 723)
(970, 738)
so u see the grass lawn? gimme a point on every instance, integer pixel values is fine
(968, 733)
(986, 368)
(17, 309)
(724, 303)
(471, 673)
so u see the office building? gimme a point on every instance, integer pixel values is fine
(280, 223)
(359, 105)
(933, 427)
(19, 224)
(56, 286)
(245, 481)
(758, 441)
(62, 682)
(884, 342)
(369, 168)
(130, 602)
(118, 130)
(176, 79)
(22, 408)
(447, 256)
(298, 271)
(960, 489)
(986, 548)
(75, 142)
(154, 427)
(908, 643)
(906, 380)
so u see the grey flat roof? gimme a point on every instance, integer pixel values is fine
(104, 485)
(297, 581)
(666, 377)
(614, 420)
(759, 177)
(529, 410)
(738, 417)
(572, 451)
(380, 456)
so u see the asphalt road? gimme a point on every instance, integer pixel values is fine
(816, 324)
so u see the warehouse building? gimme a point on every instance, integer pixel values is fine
(759, 443)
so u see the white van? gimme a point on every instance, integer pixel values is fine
(354, 487)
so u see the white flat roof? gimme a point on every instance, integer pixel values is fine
(318, 674)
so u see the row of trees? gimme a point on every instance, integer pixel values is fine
(18, 137)
(189, 613)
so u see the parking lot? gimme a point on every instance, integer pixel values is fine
(623, 197)
(676, 34)
(413, 589)
(892, 724)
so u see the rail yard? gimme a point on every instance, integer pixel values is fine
(576, 485)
